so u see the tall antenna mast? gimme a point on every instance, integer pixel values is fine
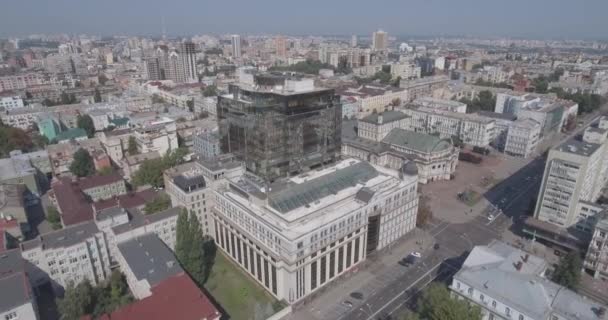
(163, 28)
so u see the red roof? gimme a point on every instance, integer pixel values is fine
(96, 181)
(72, 202)
(175, 298)
(127, 201)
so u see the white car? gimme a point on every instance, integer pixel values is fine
(416, 254)
(491, 217)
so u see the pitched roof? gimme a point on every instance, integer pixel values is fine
(175, 298)
(72, 202)
(387, 116)
(71, 134)
(127, 201)
(98, 180)
(418, 141)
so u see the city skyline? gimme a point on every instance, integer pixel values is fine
(539, 19)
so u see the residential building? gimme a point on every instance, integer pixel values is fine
(441, 104)
(116, 143)
(61, 154)
(67, 136)
(207, 144)
(376, 126)
(471, 129)
(18, 299)
(287, 114)
(11, 102)
(423, 87)
(187, 51)
(236, 46)
(350, 209)
(522, 138)
(281, 46)
(21, 81)
(99, 187)
(18, 171)
(130, 164)
(508, 283)
(405, 71)
(22, 118)
(156, 135)
(374, 98)
(69, 255)
(596, 260)
(380, 40)
(13, 210)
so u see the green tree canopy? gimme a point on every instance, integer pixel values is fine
(485, 101)
(86, 122)
(132, 148)
(150, 173)
(52, 216)
(97, 96)
(568, 271)
(76, 301)
(82, 165)
(309, 67)
(160, 203)
(14, 139)
(195, 252)
(437, 304)
(209, 91)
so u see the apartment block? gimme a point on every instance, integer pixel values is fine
(376, 126)
(69, 255)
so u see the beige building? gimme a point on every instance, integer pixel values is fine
(596, 259)
(376, 126)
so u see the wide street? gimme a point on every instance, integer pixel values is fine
(395, 286)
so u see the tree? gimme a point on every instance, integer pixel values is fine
(396, 102)
(52, 216)
(195, 252)
(132, 148)
(97, 96)
(568, 271)
(64, 98)
(485, 101)
(160, 203)
(210, 91)
(76, 302)
(174, 158)
(82, 165)
(86, 122)
(150, 173)
(190, 104)
(425, 214)
(14, 139)
(437, 304)
(157, 99)
(105, 171)
(309, 67)
(102, 79)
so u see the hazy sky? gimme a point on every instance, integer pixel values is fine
(517, 18)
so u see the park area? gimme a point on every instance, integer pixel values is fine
(239, 296)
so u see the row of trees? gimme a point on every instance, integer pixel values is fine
(309, 67)
(151, 171)
(84, 299)
(436, 303)
(195, 253)
(17, 139)
(586, 102)
(160, 203)
(64, 98)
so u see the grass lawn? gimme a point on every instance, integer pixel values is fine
(237, 293)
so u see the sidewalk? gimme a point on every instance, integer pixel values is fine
(368, 277)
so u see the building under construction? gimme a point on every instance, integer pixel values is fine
(280, 124)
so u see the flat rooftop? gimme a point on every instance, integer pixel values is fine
(65, 237)
(149, 258)
(576, 145)
(306, 202)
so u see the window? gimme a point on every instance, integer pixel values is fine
(494, 304)
(470, 291)
(521, 317)
(482, 298)
(508, 311)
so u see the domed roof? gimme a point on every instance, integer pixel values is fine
(409, 168)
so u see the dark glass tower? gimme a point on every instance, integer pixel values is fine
(280, 124)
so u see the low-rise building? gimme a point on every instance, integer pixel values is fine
(423, 87)
(11, 102)
(522, 138)
(12, 209)
(17, 171)
(441, 104)
(18, 299)
(375, 98)
(207, 145)
(376, 126)
(22, 118)
(61, 155)
(507, 283)
(130, 164)
(103, 187)
(471, 129)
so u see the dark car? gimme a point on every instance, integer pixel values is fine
(408, 261)
(356, 295)
(436, 246)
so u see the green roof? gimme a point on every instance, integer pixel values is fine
(387, 116)
(71, 134)
(421, 142)
(293, 196)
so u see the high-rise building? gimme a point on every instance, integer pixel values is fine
(187, 50)
(175, 67)
(280, 125)
(353, 41)
(153, 70)
(236, 46)
(575, 174)
(380, 40)
(281, 46)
